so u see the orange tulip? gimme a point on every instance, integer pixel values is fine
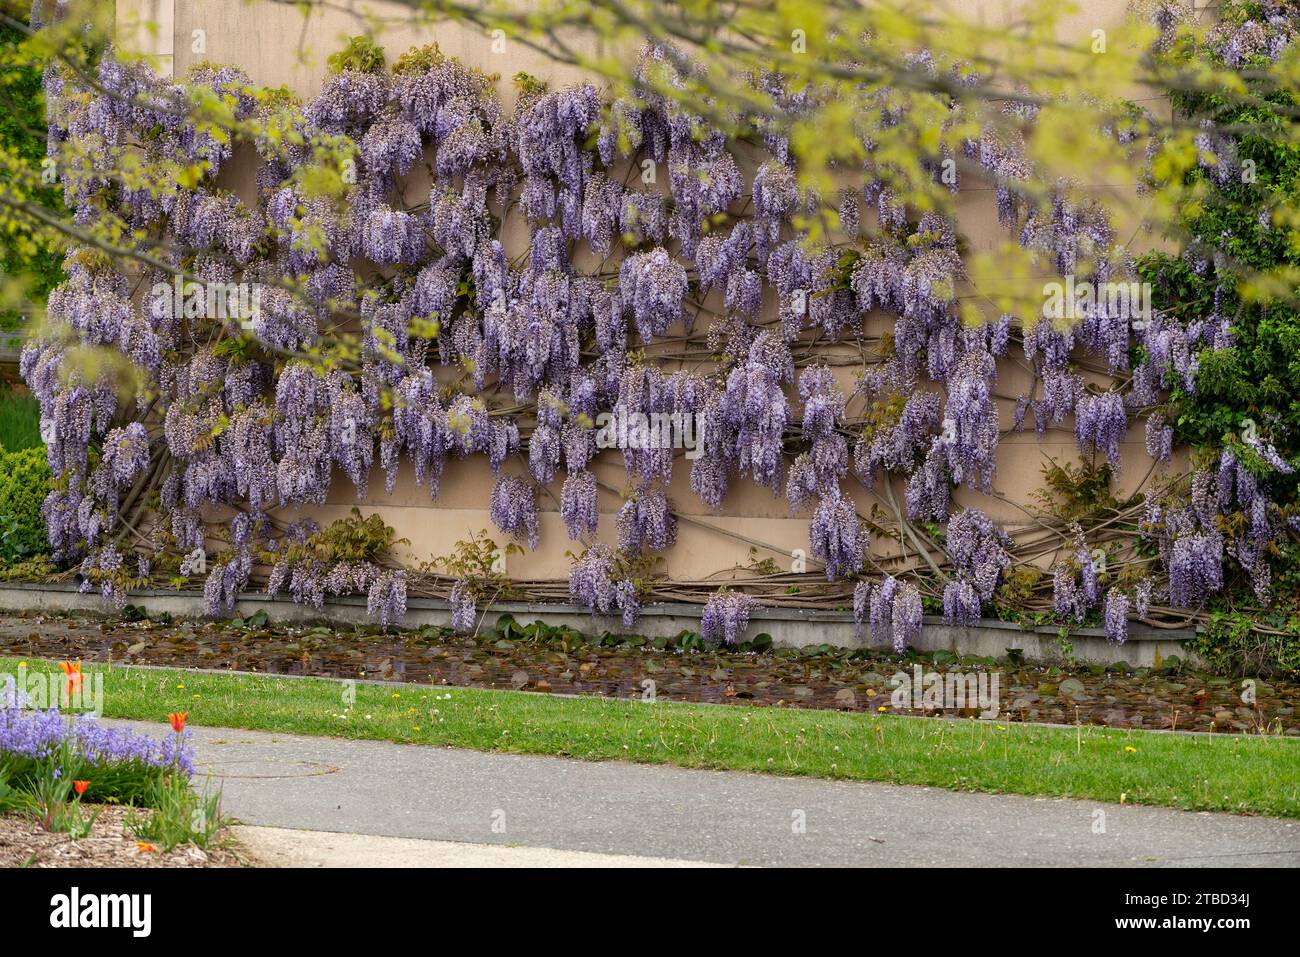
(80, 786)
(177, 719)
(144, 847)
(73, 671)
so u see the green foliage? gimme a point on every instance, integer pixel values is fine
(1246, 223)
(118, 782)
(12, 799)
(24, 483)
(1017, 586)
(258, 619)
(20, 421)
(35, 569)
(419, 60)
(1233, 644)
(361, 54)
(180, 815)
(476, 561)
(1073, 492)
(1261, 641)
(29, 267)
(529, 85)
(352, 539)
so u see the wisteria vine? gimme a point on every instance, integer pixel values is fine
(465, 350)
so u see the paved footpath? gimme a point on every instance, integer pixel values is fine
(721, 817)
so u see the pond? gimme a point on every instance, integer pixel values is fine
(562, 661)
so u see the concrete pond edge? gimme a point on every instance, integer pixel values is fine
(789, 627)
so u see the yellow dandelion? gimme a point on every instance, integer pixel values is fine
(1130, 749)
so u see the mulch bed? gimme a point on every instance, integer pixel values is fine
(24, 843)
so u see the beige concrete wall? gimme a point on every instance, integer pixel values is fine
(277, 44)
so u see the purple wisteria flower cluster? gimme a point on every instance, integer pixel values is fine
(1075, 588)
(978, 550)
(599, 581)
(892, 608)
(726, 616)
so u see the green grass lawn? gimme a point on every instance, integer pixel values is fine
(1250, 774)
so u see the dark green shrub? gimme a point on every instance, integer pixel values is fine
(24, 483)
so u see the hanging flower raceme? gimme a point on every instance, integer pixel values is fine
(820, 469)
(754, 409)
(1100, 424)
(464, 611)
(596, 582)
(514, 509)
(970, 422)
(726, 616)
(836, 537)
(775, 191)
(349, 102)
(645, 522)
(302, 435)
(892, 608)
(978, 551)
(1116, 615)
(1074, 584)
(386, 600)
(652, 284)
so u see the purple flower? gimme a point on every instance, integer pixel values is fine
(596, 581)
(978, 551)
(1100, 423)
(1116, 616)
(653, 285)
(645, 522)
(893, 609)
(836, 537)
(514, 509)
(726, 616)
(387, 598)
(463, 607)
(578, 504)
